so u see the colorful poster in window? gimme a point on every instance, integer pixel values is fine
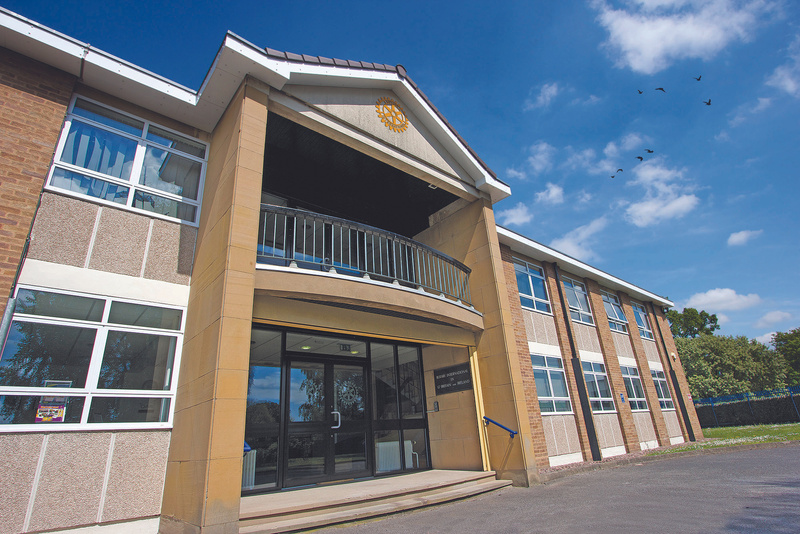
(52, 409)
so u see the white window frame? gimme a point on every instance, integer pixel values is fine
(662, 390)
(599, 403)
(133, 184)
(533, 271)
(91, 390)
(553, 364)
(630, 375)
(578, 290)
(642, 320)
(613, 306)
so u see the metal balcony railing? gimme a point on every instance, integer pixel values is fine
(310, 240)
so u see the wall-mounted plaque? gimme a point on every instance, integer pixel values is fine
(452, 379)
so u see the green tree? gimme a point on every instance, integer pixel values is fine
(787, 344)
(691, 323)
(723, 365)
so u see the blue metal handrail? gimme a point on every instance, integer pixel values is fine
(486, 421)
(310, 240)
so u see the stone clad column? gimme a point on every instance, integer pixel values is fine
(470, 236)
(203, 481)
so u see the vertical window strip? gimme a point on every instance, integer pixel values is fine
(532, 286)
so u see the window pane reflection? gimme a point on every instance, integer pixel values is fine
(384, 382)
(137, 361)
(129, 410)
(36, 353)
(307, 392)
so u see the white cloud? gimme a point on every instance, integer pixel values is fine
(787, 77)
(742, 113)
(519, 214)
(546, 95)
(666, 197)
(576, 243)
(766, 339)
(584, 159)
(553, 194)
(514, 173)
(740, 238)
(773, 318)
(584, 197)
(647, 36)
(722, 319)
(541, 158)
(722, 299)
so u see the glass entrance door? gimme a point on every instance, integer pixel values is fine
(327, 421)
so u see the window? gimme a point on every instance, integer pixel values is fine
(532, 289)
(80, 360)
(616, 317)
(123, 161)
(578, 300)
(642, 321)
(664, 397)
(633, 385)
(597, 387)
(551, 384)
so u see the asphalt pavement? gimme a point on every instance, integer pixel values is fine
(740, 491)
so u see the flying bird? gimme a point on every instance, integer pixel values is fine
(619, 170)
(648, 150)
(640, 91)
(613, 175)
(707, 103)
(660, 89)
(698, 78)
(640, 158)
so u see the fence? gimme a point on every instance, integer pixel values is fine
(762, 407)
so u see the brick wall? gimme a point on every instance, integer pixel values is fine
(33, 103)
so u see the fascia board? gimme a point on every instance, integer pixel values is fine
(537, 251)
(40, 42)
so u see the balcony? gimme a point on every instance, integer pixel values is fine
(307, 240)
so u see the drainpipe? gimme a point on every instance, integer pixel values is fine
(586, 407)
(674, 377)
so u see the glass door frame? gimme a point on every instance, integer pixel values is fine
(325, 426)
(371, 425)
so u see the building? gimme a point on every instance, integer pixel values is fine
(293, 274)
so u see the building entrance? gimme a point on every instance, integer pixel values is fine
(322, 408)
(327, 429)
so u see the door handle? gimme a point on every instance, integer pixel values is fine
(339, 419)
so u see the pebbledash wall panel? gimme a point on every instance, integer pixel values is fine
(75, 232)
(66, 479)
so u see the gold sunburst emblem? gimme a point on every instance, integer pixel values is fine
(391, 114)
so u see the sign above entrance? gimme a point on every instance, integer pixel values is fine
(391, 114)
(452, 379)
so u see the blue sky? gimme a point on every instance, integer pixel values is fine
(547, 93)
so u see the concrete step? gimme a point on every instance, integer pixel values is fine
(354, 503)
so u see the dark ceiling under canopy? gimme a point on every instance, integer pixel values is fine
(319, 174)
